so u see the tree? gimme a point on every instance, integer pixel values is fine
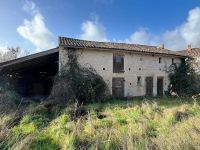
(6, 55)
(10, 54)
(184, 79)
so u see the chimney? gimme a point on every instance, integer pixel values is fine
(162, 46)
(189, 49)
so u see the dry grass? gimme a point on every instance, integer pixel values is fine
(141, 124)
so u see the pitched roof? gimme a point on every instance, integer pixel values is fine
(33, 58)
(194, 52)
(77, 43)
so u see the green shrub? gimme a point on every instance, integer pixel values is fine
(43, 143)
(195, 110)
(28, 125)
(9, 101)
(184, 79)
(83, 84)
(103, 123)
(122, 121)
(151, 129)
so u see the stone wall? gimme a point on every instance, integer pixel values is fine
(135, 64)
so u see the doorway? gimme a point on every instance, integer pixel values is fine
(118, 87)
(160, 86)
(149, 86)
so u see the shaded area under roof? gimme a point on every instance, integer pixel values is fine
(31, 76)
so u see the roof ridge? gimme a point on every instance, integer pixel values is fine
(79, 43)
(196, 48)
(191, 48)
(60, 37)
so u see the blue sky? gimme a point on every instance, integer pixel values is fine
(35, 25)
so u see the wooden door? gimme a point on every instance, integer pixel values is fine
(118, 87)
(149, 86)
(160, 86)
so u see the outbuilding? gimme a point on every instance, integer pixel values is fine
(128, 69)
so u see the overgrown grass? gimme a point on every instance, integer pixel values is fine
(137, 123)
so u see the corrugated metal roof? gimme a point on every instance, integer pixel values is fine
(29, 58)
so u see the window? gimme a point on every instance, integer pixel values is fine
(160, 60)
(118, 63)
(172, 60)
(139, 80)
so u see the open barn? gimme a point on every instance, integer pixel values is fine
(32, 75)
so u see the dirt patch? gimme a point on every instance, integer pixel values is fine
(181, 116)
(101, 115)
(77, 113)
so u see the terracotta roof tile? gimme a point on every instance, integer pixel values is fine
(194, 52)
(76, 43)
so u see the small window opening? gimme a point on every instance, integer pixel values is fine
(104, 68)
(139, 68)
(118, 63)
(172, 60)
(139, 80)
(160, 60)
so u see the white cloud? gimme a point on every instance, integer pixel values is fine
(4, 47)
(177, 39)
(187, 33)
(30, 7)
(93, 30)
(35, 30)
(142, 36)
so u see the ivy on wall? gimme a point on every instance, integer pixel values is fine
(78, 83)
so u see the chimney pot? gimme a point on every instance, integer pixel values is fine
(163, 46)
(189, 48)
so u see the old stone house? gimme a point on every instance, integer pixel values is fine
(128, 69)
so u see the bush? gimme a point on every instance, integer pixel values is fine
(30, 124)
(43, 143)
(9, 98)
(78, 83)
(8, 101)
(184, 79)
